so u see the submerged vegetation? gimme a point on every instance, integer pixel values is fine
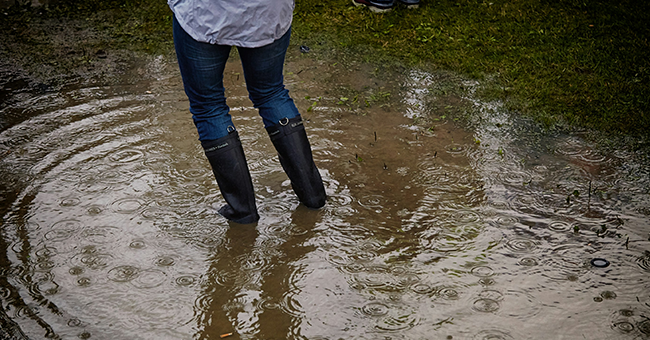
(584, 62)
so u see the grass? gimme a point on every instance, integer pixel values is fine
(583, 62)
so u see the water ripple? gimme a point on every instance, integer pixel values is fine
(493, 334)
(423, 288)
(560, 226)
(92, 260)
(375, 309)
(644, 261)
(291, 305)
(482, 271)
(146, 278)
(630, 321)
(101, 234)
(372, 201)
(528, 262)
(456, 149)
(488, 301)
(84, 281)
(186, 280)
(521, 245)
(448, 293)
(123, 273)
(127, 205)
(268, 304)
(568, 261)
(165, 261)
(623, 326)
(506, 221)
(252, 262)
(514, 177)
(520, 304)
(644, 326)
(137, 244)
(125, 156)
(397, 319)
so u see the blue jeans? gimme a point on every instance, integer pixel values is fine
(202, 66)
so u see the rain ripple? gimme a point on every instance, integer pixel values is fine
(375, 309)
(165, 261)
(186, 280)
(267, 304)
(423, 288)
(630, 321)
(482, 271)
(559, 226)
(291, 306)
(488, 301)
(514, 177)
(493, 334)
(448, 293)
(148, 279)
(569, 261)
(372, 201)
(127, 205)
(92, 260)
(521, 245)
(125, 156)
(123, 273)
(101, 234)
(376, 277)
(644, 261)
(456, 149)
(528, 262)
(397, 319)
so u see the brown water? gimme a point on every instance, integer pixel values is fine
(431, 231)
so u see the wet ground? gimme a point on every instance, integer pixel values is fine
(447, 217)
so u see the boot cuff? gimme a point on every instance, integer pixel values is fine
(285, 127)
(221, 144)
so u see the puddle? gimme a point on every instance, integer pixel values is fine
(109, 225)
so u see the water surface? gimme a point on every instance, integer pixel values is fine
(431, 231)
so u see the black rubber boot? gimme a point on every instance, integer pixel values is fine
(290, 140)
(229, 166)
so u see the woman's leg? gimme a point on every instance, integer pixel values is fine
(202, 66)
(263, 68)
(263, 72)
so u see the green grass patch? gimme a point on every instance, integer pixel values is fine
(582, 62)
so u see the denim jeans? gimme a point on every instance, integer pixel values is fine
(202, 65)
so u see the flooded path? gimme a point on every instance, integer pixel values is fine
(431, 231)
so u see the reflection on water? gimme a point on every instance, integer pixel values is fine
(109, 228)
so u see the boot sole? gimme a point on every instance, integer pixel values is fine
(373, 8)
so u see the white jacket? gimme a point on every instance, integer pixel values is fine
(243, 23)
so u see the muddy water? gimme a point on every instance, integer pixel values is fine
(109, 227)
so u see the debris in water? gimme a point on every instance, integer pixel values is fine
(600, 263)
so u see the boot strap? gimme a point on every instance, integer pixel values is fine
(285, 127)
